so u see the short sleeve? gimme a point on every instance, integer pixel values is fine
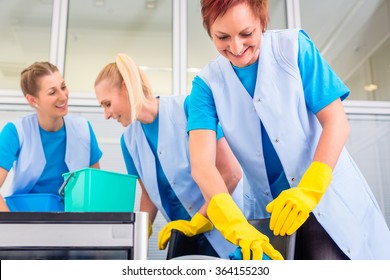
(9, 146)
(321, 85)
(202, 113)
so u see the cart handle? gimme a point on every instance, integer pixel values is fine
(61, 189)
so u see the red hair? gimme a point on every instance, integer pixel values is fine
(212, 9)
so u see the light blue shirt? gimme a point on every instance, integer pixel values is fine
(171, 204)
(320, 84)
(54, 147)
(319, 91)
(348, 210)
(171, 154)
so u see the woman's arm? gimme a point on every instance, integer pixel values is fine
(334, 134)
(222, 210)
(3, 176)
(227, 165)
(202, 147)
(293, 206)
(146, 204)
(96, 165)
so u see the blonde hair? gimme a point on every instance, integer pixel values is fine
(137, 84)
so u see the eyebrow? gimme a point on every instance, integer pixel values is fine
(54, 87)
(243, 30)
(50, 89)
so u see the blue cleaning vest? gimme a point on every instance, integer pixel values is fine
(173, 154)
(348, 210)
(31, 162)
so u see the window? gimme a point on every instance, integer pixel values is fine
(354, 37)
(99, 29)
(25, 37)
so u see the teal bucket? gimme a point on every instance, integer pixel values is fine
(35, 202)
(96, 190)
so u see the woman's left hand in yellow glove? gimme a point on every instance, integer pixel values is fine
(292, 207)
(197, 225)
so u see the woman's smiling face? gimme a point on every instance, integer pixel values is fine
(237, 35)
(114, 100)
(52, 99)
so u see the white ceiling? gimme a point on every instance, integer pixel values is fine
(347, 32)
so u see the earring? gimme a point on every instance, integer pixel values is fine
(36, 105)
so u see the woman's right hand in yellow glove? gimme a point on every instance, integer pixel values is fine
(229, 220)
(197, 225)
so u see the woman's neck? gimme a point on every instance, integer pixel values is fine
(149, 111)
(50, 124)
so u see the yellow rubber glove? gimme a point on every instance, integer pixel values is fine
(197, 225)
(150, 229)
(229, 220)
(293, 206)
